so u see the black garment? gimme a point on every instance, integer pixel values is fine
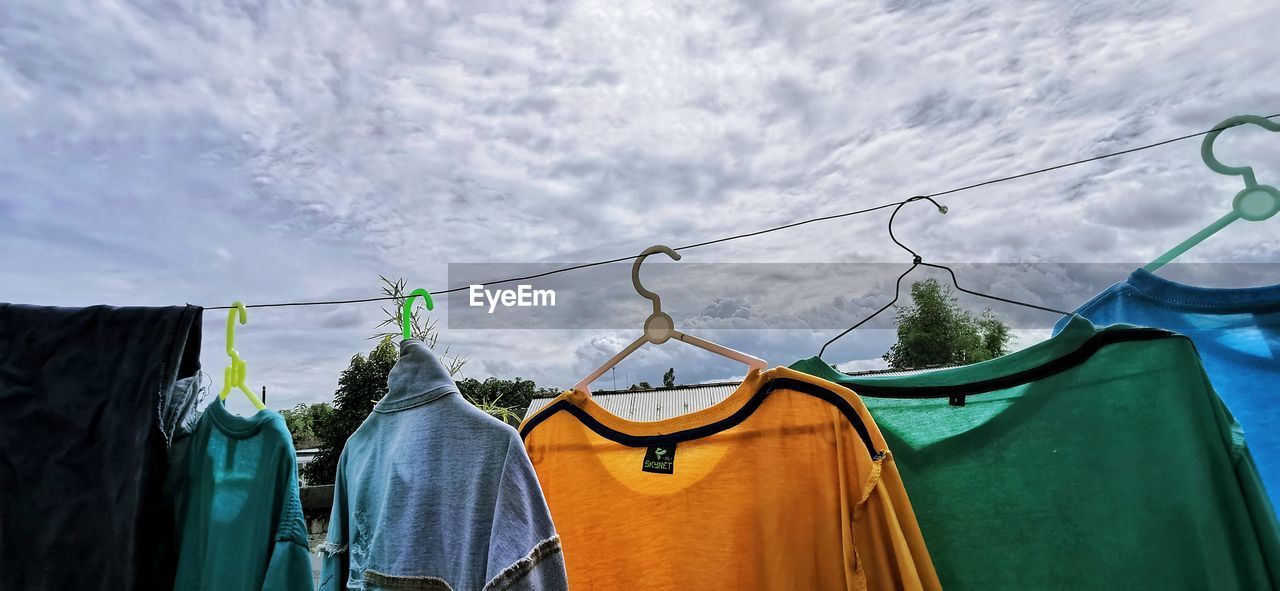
(89, 401)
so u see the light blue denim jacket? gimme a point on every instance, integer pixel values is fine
(433, 494)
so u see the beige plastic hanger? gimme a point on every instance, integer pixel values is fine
(659, 328)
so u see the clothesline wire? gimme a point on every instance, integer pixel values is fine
(767, 230)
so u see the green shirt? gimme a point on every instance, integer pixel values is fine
(239, 520)
(1099, 459)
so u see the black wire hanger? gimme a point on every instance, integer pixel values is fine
(916, 261)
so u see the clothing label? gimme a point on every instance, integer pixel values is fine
(660, 459)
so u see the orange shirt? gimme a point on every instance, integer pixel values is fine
(786, 484)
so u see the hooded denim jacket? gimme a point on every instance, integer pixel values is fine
(433, 494)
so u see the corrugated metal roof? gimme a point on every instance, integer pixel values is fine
(663, 403)
(889, 373)
(656, 404)
(536, 405)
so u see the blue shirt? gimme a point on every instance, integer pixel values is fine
(432, 493)
(1236, 331)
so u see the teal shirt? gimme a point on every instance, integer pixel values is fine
(239, 520)
(1099, 459)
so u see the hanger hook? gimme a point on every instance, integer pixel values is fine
(941, 209)
(234, 375)
(238, 306)
(1256, 202)
(635, 274)
(916, 261)
(406, 315)
(1206, 148)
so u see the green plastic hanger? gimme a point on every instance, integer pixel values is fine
(406, 315)
(1255, 203)
(233, 376)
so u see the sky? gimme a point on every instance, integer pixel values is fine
(162, 153)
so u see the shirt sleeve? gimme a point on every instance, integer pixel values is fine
(290, 568)
(335, 568)
(1254, 495)
(1260, 510)
(890, 549)
(524, 549)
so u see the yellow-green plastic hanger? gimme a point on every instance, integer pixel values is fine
(234, 375)
(1253, 204)
(406, 315)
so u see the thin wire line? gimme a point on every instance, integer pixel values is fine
(1092, 159)
(773, 229)
(574, 267)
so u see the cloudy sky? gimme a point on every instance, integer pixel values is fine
(160, 152)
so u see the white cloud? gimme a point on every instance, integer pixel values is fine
(160, 152)
(858, 365)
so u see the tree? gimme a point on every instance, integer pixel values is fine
(364, 383)
(994, 335)
(360, 386)
(639, 387)
(507, 400)
(304, 422)
(933, 330)
(420, 327)
(669, 378)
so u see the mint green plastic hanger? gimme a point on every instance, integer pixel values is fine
(406, 315)
(234, 375)
(1255, 203)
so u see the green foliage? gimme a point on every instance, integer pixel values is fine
(933, 330)
(360, 386)
(995, 336)
(640, 386)
(505, 399)
(669, 378)
(364, 383)
(421, 327)
(305, 421)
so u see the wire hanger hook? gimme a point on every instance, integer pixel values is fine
(918, 261)
(941, 209)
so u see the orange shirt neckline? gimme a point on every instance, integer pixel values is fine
(699, 418)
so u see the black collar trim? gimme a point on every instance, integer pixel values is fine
(1068, 361)
(728, 422)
